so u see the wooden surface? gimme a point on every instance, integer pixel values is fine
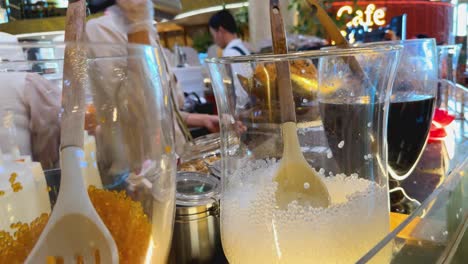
(74, 75)
(284, 87)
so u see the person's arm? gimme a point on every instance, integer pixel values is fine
(210, 122)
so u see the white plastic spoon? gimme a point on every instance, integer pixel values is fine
(297, 181)
(74, 233)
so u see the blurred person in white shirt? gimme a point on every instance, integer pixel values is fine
(223, 28)
(29, 108)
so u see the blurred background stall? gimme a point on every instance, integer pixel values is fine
(184, 23)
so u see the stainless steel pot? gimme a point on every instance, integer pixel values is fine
(196, 236)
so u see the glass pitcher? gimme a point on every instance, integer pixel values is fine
(341, 100)
(129, 160)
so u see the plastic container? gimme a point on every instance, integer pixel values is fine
(129, 164)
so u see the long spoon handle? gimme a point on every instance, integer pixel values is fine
(335, 34)
(330, 27)
(74, 75)
(284, 87)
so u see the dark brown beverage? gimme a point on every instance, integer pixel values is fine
(352, 134)
(409, 122)
(356, 125)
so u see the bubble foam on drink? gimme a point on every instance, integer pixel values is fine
(254, 230)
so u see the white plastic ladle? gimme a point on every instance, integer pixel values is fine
(297, 181)
(74, 233)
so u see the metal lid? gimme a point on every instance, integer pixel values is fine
(195, 189)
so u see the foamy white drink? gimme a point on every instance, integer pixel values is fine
(255, 231)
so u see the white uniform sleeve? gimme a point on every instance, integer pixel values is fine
(44, 101)
(243, 69)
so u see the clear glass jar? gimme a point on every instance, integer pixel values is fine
(129, 162)
(341, 113)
